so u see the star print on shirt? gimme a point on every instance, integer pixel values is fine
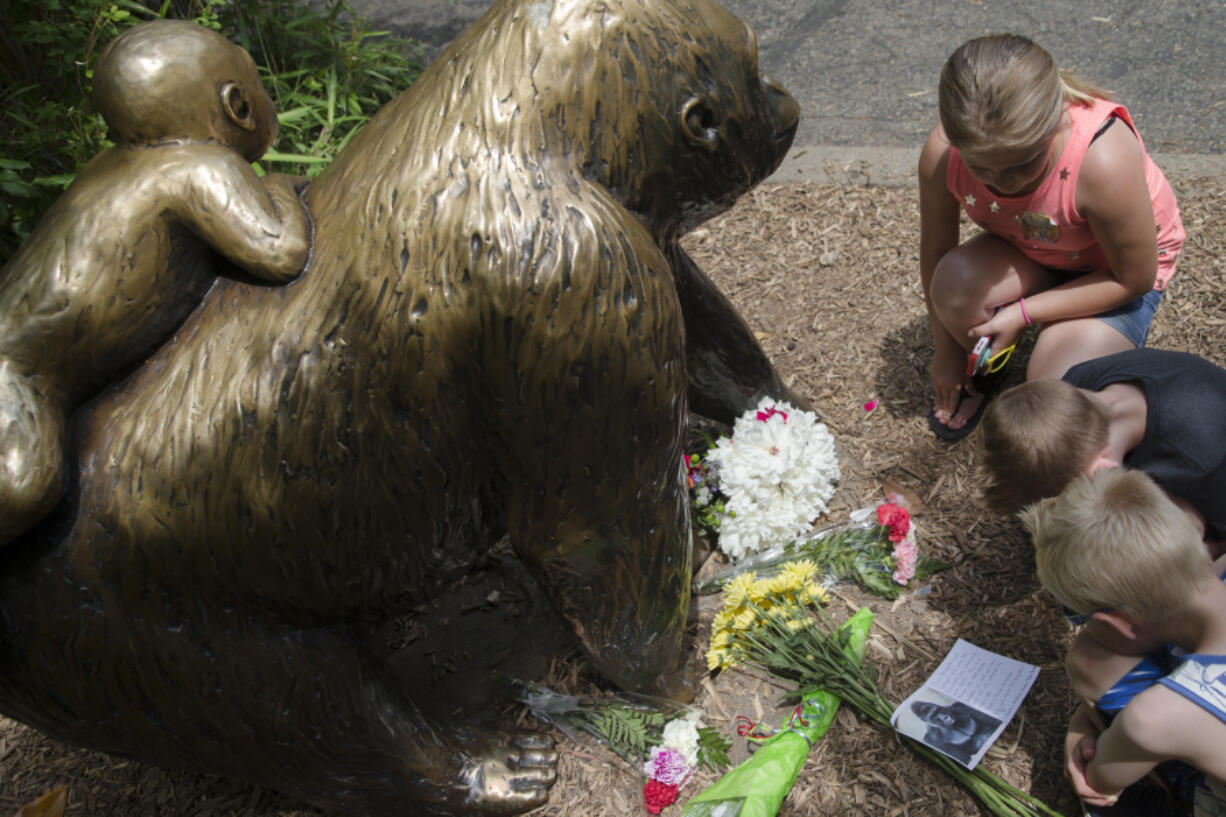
(994, 207)
(1064, 174)
(970, 200)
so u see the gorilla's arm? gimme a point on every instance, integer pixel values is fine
(590, 405)
(728, 371)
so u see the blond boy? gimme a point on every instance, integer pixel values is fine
(1113, 545)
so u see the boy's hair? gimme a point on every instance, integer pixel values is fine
(1116, 540)
(1036, 438)
(1004, 92)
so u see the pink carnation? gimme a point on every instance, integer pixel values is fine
(905, 555)
(668, 766)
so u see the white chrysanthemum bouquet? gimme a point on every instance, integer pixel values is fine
(766, 483)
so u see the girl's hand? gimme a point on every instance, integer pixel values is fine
(1079, 746)
(948, 373)
(1005, 327)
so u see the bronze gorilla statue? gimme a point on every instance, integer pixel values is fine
(496, 333)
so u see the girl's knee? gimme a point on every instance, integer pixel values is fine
(956, 271)
(959, 286)
(1064, 344)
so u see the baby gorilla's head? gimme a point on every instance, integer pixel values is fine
(171, 80)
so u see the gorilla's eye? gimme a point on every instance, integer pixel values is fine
(700, 123)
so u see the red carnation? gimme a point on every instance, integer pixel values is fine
(763, 416)
(896, 519)
(657, 795)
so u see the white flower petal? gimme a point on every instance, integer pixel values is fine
(777, 474)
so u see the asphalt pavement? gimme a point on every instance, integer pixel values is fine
(865, 71)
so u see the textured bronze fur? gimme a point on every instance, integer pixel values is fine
(119, 260)
(492, 336)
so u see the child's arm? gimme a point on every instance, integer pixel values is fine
(1135, 742)
(938, 235)
(1080, 743)
(1113, 196)
(260, 225)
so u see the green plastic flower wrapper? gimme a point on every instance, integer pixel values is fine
(758, 786)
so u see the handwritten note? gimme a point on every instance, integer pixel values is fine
(964, 706)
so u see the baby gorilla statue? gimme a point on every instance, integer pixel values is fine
(115, 265)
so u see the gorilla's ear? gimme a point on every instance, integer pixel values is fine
(237, 109)
(699, 123)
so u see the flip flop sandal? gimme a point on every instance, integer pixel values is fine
(951, 434)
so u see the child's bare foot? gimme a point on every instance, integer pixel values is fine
(963, 421)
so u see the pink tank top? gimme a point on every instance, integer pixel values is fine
(1045, 224)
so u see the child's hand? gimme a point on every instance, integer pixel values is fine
(1079, 747)
(1005, 327)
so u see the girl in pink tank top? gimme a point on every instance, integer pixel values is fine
(1080, 229)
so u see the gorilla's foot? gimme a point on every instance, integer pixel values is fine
(513, 773)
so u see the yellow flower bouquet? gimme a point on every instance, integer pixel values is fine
(776, 625)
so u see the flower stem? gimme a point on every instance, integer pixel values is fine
(810, 655)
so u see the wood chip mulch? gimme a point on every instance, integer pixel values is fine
(828, 277)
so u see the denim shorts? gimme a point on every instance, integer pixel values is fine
(1132, 320)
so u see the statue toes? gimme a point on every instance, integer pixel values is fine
(535, 750)
(536, 759)
(534, 756)
(514, 779)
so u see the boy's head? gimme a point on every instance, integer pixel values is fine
(1115, 540)
(171, 80)
(1036, 438)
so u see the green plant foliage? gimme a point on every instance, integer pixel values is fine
(865, 557)
(713, 748)
(48, 127)
(859, 553)
(325, 69)
(630, 729)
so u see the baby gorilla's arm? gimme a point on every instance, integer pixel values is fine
(260, 225)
